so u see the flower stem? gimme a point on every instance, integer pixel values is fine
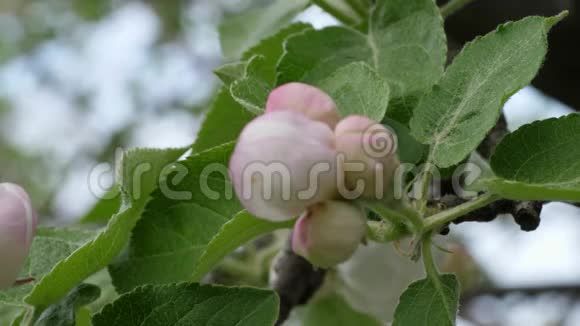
(382, 232)
(398, 214)
(359, 6)
(428, 261)
(425, 183)
(336, 12)
(449, 215)
(453, 6)
(431, 268)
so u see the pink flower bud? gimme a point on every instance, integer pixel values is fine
(283, 163)
(306, 99)
(17, 228)
(329, 233)
(370, 157)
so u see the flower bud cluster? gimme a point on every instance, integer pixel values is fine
(301, 159)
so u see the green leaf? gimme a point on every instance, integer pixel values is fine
(140, 171)
(242, 228)
(231, 72)
(405, 45)
(83, 317)
(271, 49)
(223, 123)
(358, 89)
(409, 149)
(65, 312)
(50, 246)
(13, 316)
(226, 118)
(102, 279)
(460, 111)
(172, 233)
(539, 161)
(423, 304)
(401, 109)
(252, 91)
(191, 304)
(526, 191)
(335, 311)
(181, 238)
(103, 209)
(240, 32)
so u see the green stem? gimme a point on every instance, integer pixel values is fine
(337, 13)
(425, 183)
(398, 215)
(430, 266)
(449, 215)
(434, 276)
(359, 7)
(453, 6)
(382, 232)
(414, 217)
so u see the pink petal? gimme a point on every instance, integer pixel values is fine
(17, 227)
(292, 145)
(306, 99)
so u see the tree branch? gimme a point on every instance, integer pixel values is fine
(525, 213)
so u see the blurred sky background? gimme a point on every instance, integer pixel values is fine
(78, 81)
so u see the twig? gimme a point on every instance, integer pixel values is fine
(486, 148)
(448, 216)
(526, 213)
(453, 6)
(359, 6)
(335, 12)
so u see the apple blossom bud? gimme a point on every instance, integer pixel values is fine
(329, 233)
(306, 99)
(17, 228)
(283, 163)
(370, 157)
